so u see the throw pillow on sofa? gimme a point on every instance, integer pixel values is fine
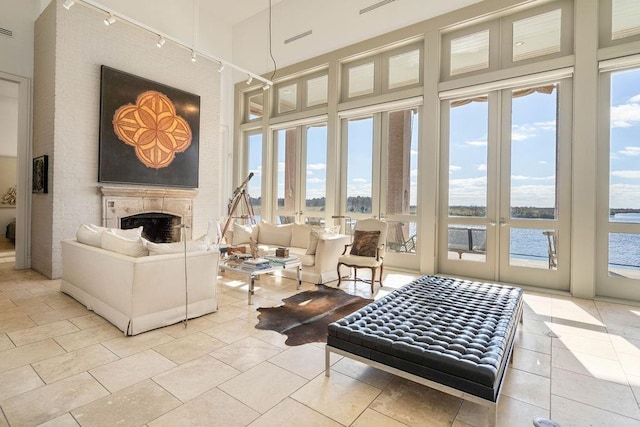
(275, 235)
(91, 234)
(110, 241)
(176, 247)
(242, 233)
(300, 234)
(317, 233)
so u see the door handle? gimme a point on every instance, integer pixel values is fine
(492, 223)
(503, 222)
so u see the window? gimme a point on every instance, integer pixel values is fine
(390, 70)
(254, 106)
(537, 36)
(317, 90)
(625, 19)
(304, 93)
(287, 98)
(254, 165)
(470, 53)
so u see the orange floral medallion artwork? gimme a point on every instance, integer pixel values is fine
(153, 128)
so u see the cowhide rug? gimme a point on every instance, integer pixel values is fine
(304, 317)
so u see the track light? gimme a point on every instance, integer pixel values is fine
(109, 20)
(221, 67)
(250, 79)
(161, 42)
(68, 3)
(193, 55)
(265, 87)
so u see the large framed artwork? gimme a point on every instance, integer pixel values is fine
(149, 132)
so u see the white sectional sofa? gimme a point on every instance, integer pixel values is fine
(318, 248)
(141, 293)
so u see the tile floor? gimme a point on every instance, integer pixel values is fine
(576, 361)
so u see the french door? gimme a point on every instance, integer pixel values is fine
(505, 186)
(618, 216)
(300, 182)
(380, 152)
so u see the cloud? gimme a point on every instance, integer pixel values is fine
(635, 98)
(532, 178)
(543, 162)
(630, 151)
(627, 174)
(316, 166)
(315, 181)
(624, 195)
(522, 132)
(625, 115)
(482, 167)
(476, 143)
(414, 152)
(533, 195)
(359, 180)
(454, 168)
(549, 125)
(413, 172)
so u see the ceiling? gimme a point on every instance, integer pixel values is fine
(231, 12)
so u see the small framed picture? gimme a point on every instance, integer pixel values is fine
(40, 174)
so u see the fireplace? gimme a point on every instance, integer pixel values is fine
(158, 210)
(157, 227)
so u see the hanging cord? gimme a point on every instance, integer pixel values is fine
(275, 66)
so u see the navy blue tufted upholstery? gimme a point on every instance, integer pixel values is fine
(454, 332)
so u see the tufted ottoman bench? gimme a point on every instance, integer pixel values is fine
(452, 335)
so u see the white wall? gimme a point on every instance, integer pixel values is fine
(335, 24)
(66, 118)
(8, 119)
(16, 54)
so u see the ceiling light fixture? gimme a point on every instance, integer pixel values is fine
(221, 67)
(249, 79)
(265, 87)
(520, 43)
(161, 42)
(109, 20)
(68, 3)
(193, 55)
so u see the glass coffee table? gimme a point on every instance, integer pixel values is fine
(251, 275)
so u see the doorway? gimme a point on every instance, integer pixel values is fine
(505, 186)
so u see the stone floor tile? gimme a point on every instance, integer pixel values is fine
(617, 398)
(511, 413)
(533, 342)
(5, 342)
(600, 347)
(133, 406)
(373, 418)
(307, 360)
(569, 413)
(271, 337)
(526, 387)
(586, 364)
(196, 377)
(338, 397)
(39, 333)
(212, 408)
(16, 323)
(30, 353)
(86, 337)
(17, 381)
(630, 364)
(132, 369)
(226, 313)
(363, 372)
(532, 362)
(88, 321)
(189, 347)
(42, 318)
(65, 420)
(231, 331)
(246, 353)
(126, 346)
(48, 402)
(193, 325)
(263, 386)
(292, 413)
(69, 364)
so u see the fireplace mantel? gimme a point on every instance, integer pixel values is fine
(121, 202)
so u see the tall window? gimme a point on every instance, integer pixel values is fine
(254, 165)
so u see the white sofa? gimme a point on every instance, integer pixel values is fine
(138, 294)
(317, 248)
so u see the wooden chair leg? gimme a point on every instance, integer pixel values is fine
(381, 271)
(339, 275)
(373, 278)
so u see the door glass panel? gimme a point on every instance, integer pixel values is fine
(255, 106)
(624, 255)
(286, 140)
(402, 157)
(359, 165)
(404, 69)
(470, 53)
(401, 237)
(316, 172)
(468, 158)
(467, 242)
(537, 36)
(254, 187)
(534, 248)
(317, 91)
(533, 153)
(624, 175)
(287, 97)
(361, 79)
(625, 18)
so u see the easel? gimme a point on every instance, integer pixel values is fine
(240, 195)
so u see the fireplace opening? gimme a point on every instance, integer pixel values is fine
(157, 227)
